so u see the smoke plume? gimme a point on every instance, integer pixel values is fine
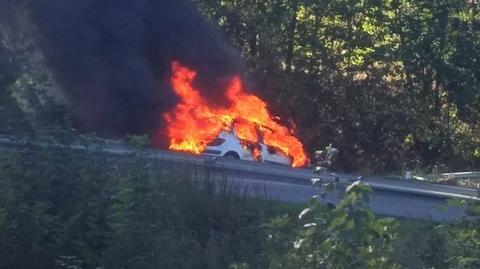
(112, 57)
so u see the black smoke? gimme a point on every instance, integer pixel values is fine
(112, 57)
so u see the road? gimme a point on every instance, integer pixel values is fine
(415, 200)
(407, 199)
(396, 198)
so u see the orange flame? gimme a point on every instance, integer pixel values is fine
(193, 123)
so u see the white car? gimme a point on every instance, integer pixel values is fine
(228, 145)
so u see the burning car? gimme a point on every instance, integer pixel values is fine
(229, 145)
(241, 128)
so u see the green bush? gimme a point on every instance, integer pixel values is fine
(63, 208)
(345, 236)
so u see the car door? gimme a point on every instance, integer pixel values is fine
(272, 155)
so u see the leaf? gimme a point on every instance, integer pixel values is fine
(337, 222)
(297, 244)
(315, 180)
(351, 186)
(304, 212)
(318, 170)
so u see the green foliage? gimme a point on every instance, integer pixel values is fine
(52, 207)
(443, 246)
(393, 83)
(420, 245)
(138, 141)
(463, 239)
(67, 208)
(346, 236)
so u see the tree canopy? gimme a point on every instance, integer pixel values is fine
(393, 83)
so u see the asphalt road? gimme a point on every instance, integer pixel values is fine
(396, 198)
(426, 203)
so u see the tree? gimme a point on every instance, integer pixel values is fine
(387, 81)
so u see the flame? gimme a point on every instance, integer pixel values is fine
(192, 124)
(245, 130)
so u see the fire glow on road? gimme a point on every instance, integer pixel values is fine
(192, 124)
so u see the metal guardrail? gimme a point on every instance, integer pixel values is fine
(462, 175)
(293, 175)
(304, 176)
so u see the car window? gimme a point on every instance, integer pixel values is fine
(217, 142)
(271, 150)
